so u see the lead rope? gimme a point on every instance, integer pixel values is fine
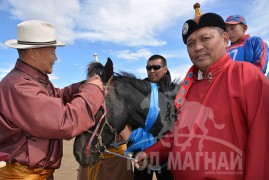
(89, 144)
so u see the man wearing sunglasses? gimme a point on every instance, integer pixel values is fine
(157, 68)
(157, 71)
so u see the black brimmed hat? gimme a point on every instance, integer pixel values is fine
(201, 21)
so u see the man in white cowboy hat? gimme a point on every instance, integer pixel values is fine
(34, 115)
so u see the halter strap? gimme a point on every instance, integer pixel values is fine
(89, 144)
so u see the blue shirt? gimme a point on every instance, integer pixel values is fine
(250, 49)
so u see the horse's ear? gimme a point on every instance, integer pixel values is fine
(108, 70)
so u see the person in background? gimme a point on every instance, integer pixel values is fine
(222, 129)
(157, 71)
(243, 47)
(35, 116)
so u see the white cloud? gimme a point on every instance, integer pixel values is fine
(3, 72)
(144, 54)
(180, 71)
(3, 46)
(266, 40)
(4, 5)
(125, 22)
(132, 23)
(61, 13)
(53, 77)
(257, 18)
(133, 55)
(142, 71)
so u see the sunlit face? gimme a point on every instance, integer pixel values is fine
(156, 75)
(206, 46)
(235, 31)
(45, 59)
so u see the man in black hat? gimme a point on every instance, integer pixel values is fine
(222, 127)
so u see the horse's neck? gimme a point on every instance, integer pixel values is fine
(130, 104)
(126, 103)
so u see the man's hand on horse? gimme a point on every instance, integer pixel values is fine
(96, 80)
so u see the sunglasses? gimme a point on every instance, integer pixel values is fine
(154, 67)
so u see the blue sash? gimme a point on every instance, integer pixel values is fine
(140, 137)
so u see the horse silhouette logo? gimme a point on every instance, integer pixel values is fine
(192, 115)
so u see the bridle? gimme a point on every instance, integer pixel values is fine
(99, 147)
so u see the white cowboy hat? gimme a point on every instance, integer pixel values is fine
(34, 34)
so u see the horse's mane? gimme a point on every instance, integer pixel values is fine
(142, 84)
(126, 77)
(105, 72)
(120, 96)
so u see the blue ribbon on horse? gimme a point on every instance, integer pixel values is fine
(142, 138)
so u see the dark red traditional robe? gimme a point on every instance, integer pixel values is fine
(35, 116)
(222, 130)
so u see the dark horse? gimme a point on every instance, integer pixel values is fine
(127, 101)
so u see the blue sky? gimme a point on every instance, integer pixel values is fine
(127, 31)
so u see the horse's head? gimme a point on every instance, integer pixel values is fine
(105, 72)
(127, 101)
(90, 156)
